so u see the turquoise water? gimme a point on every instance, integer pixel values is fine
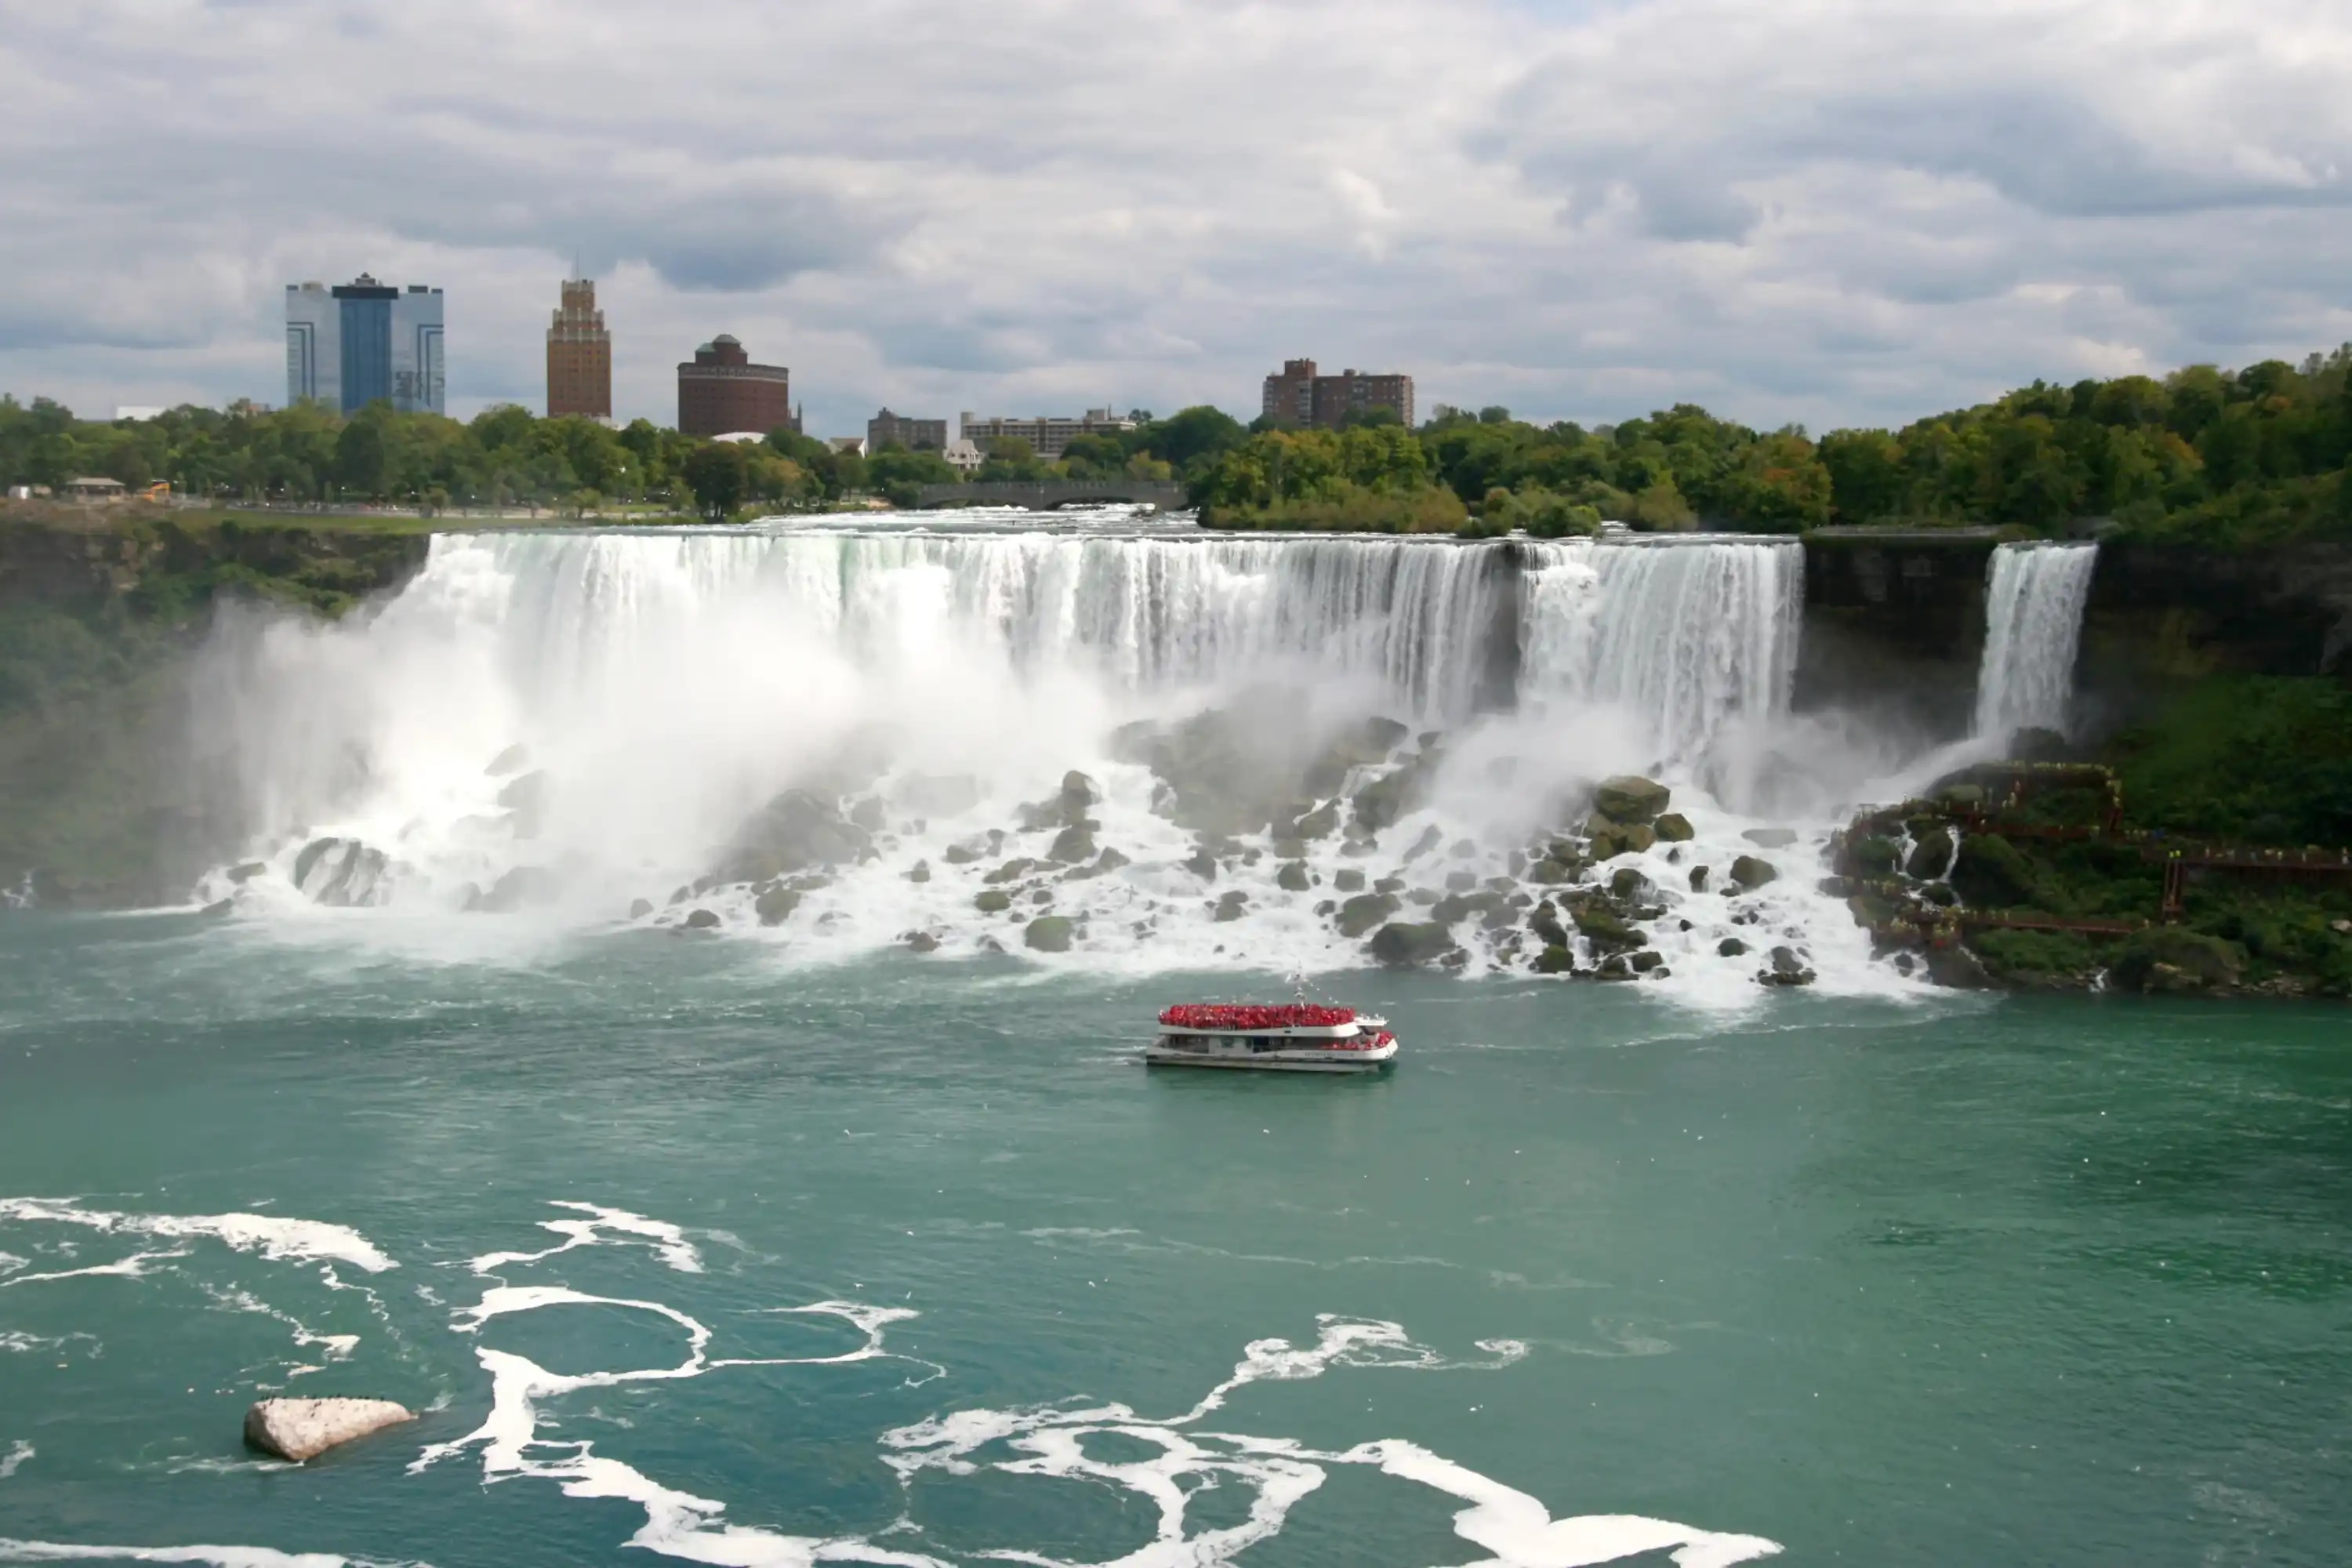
(1950, 1282)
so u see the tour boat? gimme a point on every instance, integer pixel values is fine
(1288, 1038)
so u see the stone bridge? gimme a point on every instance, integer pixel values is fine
(1164, 494)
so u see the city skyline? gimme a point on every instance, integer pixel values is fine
(1785, 218)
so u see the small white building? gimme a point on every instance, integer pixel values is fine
(963, 456)
(847, 446)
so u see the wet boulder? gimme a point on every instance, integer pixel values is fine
(1073, 844)
(1293, 877)
(1933, 851)
(1785, 968)
(1674, 828)
(1350, 880)
(2168, 959)
(1751, 873)
(1231, 907)
(1545, 923)
(1319, 823)
(1555, 959)
(994, 901)
(1066, 807)
(1361, 913)
(775, 906)
(1630, 799)
(342, 873)
(1363, 745)
(1731, 947)
(1954, 965)
(701, 919)
(299, 1430)
(1612, 839)
(1604, 929)
(796, 831)
(1049, 933)
(1400, 945)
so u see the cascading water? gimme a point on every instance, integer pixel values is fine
(1147, 747)
(2033, 626)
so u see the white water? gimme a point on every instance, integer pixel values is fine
(2034, 627)
(666, 684)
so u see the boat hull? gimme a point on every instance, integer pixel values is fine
(1326, 1062)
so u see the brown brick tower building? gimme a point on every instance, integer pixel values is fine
(579, 355)
(721, 393)
(1300, 396)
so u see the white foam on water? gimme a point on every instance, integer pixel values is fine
(215, 1556)
(2034, 627)
(1048, 1441)
(603, 1224)
(677, 1524)
(132, 1267)
(278, 1240)
(1280, 1473)
(13, 1460)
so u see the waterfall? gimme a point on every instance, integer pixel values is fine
(588, 724)
(1695, 636)
(2033, 626)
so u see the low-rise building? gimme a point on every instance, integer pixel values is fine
(963, 456)
(1049, 435)
(847, 446)
(886, 428)
(91, 488)
(1299, 396)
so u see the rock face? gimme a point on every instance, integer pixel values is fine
(302, 1429)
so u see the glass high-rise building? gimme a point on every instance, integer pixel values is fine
(364, 342)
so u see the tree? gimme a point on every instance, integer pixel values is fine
(1193, 434)
(718, 475)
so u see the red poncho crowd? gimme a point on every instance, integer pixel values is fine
(1242, 1020)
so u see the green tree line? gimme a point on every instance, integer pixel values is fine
(507, 457)
(2248, 455)
(2224, 456)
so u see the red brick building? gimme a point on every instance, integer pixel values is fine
(579, 355)
(1299, 396)
(721, 393)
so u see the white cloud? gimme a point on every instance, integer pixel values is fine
(1822, 210)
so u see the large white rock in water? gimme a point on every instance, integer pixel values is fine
(300, 1430)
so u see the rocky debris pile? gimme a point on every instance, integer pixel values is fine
(299, 1430)
(343, 873)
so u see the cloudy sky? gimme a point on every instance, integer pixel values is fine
(1821, 211)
